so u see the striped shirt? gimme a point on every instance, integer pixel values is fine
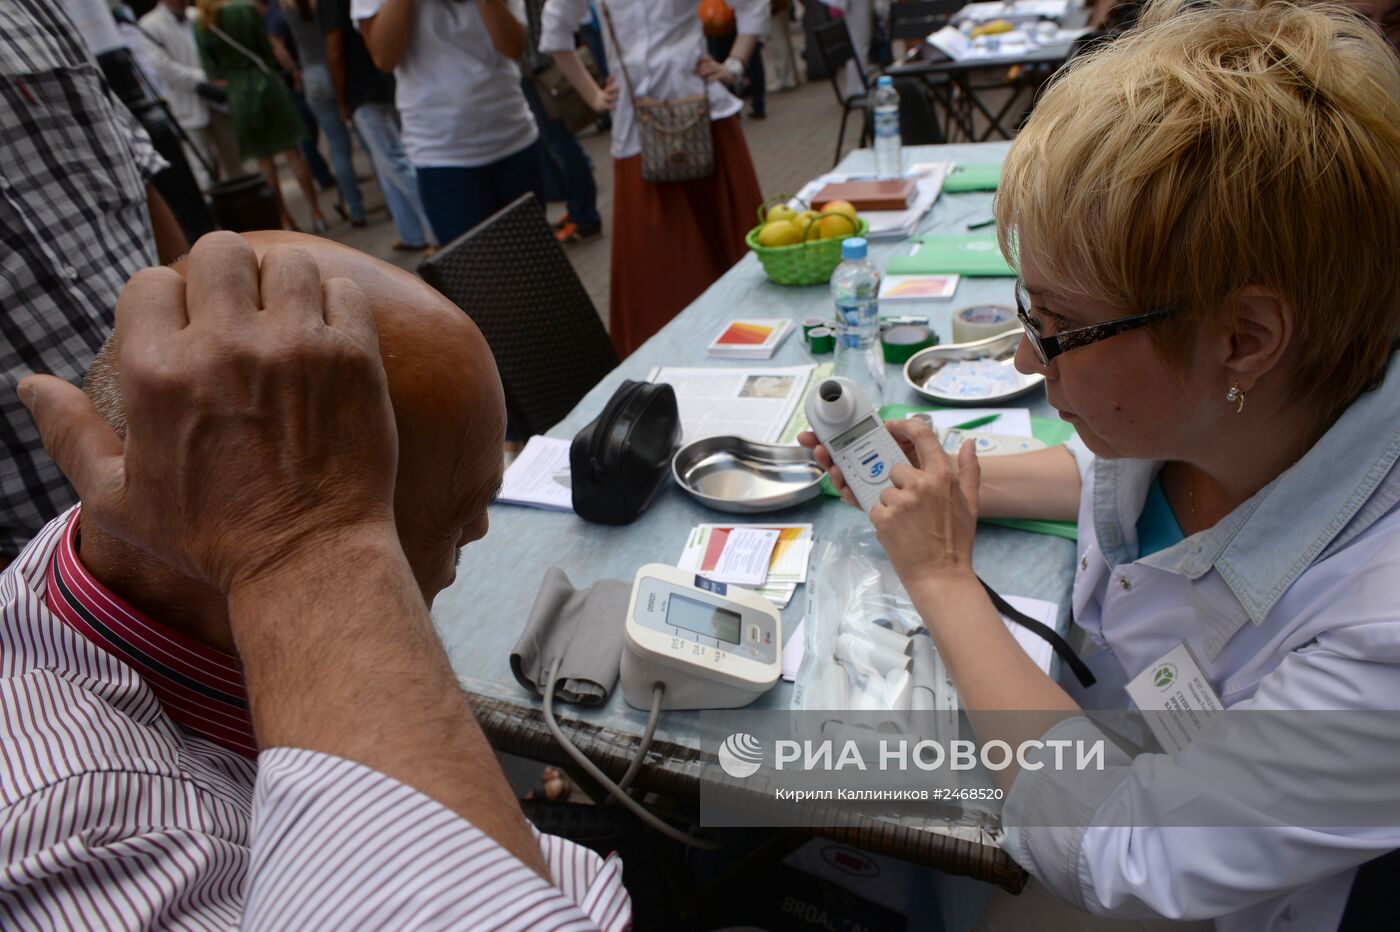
(125, 801)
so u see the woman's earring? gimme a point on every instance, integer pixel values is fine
(1234, 394)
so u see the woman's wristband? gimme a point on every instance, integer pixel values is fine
(735, 66)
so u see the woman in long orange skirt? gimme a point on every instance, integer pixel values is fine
(671, 240)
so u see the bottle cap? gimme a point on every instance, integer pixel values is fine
(853, 247)
(884, 81)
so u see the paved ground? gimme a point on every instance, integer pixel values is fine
(795, 142)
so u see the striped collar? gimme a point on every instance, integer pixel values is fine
(199, 687)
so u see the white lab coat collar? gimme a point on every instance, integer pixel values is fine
(1338, 489)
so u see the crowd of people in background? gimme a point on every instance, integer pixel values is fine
(441, 97)
(444, 99)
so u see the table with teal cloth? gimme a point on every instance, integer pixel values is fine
(482, 614)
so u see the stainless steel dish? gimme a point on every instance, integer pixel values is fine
(737, 475)
(925, 364)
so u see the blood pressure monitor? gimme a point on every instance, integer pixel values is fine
(713, 646)
(850, 428)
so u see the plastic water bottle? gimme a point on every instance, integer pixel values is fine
(855, 286)
(889, 159)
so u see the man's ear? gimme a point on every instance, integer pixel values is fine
(1256, 336)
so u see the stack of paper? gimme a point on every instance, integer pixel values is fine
(753, 403)
(540, 476)
(728, 552)
(750, 339)
(890, 224)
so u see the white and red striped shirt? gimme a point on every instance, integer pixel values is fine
(130, 796)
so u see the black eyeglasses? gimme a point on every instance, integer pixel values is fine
(1047, 348)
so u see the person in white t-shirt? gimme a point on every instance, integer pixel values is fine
(467, 127)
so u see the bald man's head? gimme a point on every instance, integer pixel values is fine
(446, 394)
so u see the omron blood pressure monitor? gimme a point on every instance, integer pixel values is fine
(711, 645)
(850, 428)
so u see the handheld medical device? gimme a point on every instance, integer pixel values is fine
(850, 428)
(708, 644)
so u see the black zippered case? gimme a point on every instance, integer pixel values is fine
(620, 459)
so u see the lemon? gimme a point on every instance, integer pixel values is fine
(780, 212)
(805, 220)
(779, 233)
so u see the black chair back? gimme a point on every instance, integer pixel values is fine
(511, 277)
(835, 48)
(921, 19)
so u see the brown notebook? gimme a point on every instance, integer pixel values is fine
(868, 195)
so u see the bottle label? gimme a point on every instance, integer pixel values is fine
(887, 122)
(852, 315)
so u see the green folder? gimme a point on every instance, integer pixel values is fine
(953, 254)
(1049, 431)
(972, 178)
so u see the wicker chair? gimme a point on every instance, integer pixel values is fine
(511, 277)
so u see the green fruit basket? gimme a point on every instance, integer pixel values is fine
(806, 263)
(809, 262)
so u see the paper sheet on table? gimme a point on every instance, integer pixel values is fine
(1013, 422)
(743, 560)
(539, 477)
(951, 42)
(1021, 9)
(928, 178)
(1035, 646)
(787, 567)
(753, 403)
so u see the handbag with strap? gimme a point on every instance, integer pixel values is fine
(677, 141)
(559, 98)
(560, 101)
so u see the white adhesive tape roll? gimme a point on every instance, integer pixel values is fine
(982, 321)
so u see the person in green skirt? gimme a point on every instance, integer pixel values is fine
(234, 46)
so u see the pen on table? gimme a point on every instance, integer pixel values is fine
(976, 422)
(990, 221)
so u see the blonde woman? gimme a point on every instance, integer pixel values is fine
(234, 46)
(1205, 216)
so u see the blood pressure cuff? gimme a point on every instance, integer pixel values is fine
(584, 627)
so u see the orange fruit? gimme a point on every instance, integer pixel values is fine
(833, 225)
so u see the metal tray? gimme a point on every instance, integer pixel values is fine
(924, 364)
(737, 475)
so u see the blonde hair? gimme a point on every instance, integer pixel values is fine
(1214, 148)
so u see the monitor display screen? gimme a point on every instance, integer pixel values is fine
(843, 440)
(700, 618)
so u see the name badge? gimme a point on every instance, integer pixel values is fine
(1175, 685)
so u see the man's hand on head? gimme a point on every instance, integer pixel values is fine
(259, 428)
